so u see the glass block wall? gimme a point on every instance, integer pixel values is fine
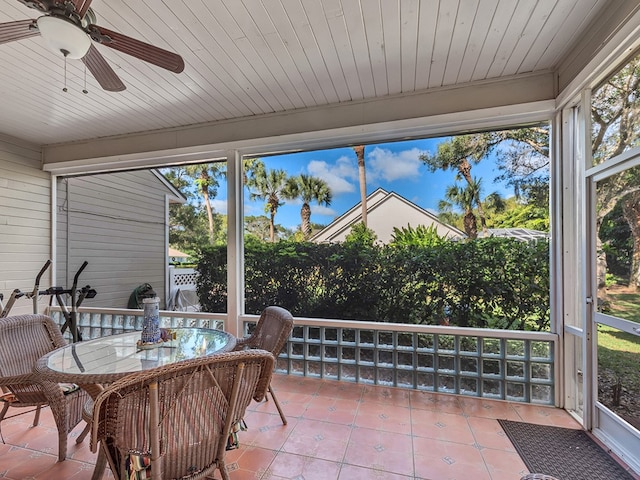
(94, 323)
(519, 369)
(497, 364)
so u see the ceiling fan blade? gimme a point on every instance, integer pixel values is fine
(17, 30)
(144, 51)
(43, 5)
(81, 6)
(102, 71)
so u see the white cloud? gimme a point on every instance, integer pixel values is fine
(253, 210)
(337, 176)
(390, 166)
(219, 206)
(292, 201)
(322, 210)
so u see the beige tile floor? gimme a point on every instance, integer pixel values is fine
(335, 431)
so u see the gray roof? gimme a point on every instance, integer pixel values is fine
(523, 234)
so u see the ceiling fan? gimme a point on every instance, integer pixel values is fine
(68, 27)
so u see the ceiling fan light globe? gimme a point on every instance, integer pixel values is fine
(63, 37)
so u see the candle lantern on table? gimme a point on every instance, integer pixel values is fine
(151, 326)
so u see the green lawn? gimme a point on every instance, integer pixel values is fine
(619, 354)
(626, 305)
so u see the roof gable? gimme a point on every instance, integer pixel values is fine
(385, 210)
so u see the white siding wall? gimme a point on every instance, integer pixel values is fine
(395, 213)
(25, 220)
(384, 212)
(116, 222)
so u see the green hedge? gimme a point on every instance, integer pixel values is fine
(494, 282)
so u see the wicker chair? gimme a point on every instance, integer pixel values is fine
(23, 340)
(176, 419)
(271, 333)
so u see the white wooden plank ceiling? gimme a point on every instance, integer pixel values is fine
(250, 57)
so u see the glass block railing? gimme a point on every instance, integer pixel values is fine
(99, 322)
(496, 364)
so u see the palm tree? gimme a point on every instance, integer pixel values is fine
(252, 167)
(269, 185)
(362, 178)
(465, 198)
(459, 154)
(308, 189)
(205, 177)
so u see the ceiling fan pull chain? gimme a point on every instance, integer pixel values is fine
(84, 90)
(65, 74)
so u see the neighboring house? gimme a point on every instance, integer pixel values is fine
(118, 223)
(385, 210)
(176, 256)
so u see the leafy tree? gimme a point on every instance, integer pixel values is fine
(615, 115)
(521, 154)
(308, 189)
(188, 224)
(447, 215)
(494, 203)
(631, 213)
(257, 226)
(519, 215)
(188, 227)
(269, 185)
(459, 154)
(617, 242)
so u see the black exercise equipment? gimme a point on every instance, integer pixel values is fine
(77, 296)
(33, 294)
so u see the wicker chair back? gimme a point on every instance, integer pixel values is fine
(271, 333)
(23, 340)
(176, 419)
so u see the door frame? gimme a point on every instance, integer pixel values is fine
(606, 425)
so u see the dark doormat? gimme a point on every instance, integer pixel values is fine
(564, 453)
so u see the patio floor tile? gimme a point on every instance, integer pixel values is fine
(335, 431)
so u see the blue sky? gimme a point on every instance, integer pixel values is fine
(392, 166)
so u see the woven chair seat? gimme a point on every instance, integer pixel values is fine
(65, 388)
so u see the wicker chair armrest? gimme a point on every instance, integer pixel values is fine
(245, 343)
(51, 389)
(26, 379)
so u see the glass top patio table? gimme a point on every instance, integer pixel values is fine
(106, 359)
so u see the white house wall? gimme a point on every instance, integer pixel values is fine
(25, 219)
(116, 222)
(384, 212)
(395, 213)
